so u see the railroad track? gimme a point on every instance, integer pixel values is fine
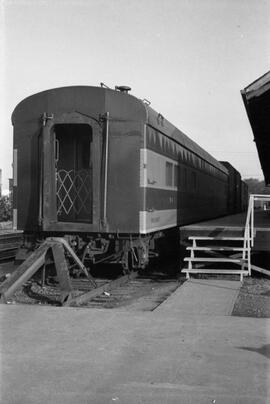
(143, 292)
(149, 288)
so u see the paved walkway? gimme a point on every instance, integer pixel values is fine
(53, 355)
(203, 296)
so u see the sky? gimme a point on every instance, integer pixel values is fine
(190, 58)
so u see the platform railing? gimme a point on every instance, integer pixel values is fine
(249, 234)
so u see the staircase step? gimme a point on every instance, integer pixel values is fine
(216, 248)
(214, 271)
(216, 238)
(198, 259)
(240, 272)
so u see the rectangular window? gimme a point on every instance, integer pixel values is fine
(176, 170)
(169, 174)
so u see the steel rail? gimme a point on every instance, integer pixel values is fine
(107, 287)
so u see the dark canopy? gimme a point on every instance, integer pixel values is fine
(256, 98)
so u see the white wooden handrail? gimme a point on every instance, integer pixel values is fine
(249, 226)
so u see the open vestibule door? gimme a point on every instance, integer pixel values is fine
(70, 181)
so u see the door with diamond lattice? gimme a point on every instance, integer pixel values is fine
(74, 174)
(71, 173)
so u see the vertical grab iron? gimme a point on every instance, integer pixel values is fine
(105, 190)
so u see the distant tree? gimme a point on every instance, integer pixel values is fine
(256, 187)
(5, 209)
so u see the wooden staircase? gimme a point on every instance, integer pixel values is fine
(223, 250)
(235, 251)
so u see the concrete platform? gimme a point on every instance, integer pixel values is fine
(55, 355)
(232, 225)
(203, 297)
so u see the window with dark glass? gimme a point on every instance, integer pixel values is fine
(169, 173)
(176, 170)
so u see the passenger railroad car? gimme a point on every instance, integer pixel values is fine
(101, 167)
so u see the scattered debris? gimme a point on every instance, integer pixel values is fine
(253, 299)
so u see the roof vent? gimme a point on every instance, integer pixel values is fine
(123, 89)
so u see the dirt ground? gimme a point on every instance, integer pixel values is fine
(254, 298)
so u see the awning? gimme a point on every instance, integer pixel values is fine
(256, 98)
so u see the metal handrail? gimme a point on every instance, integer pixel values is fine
(249, 234)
